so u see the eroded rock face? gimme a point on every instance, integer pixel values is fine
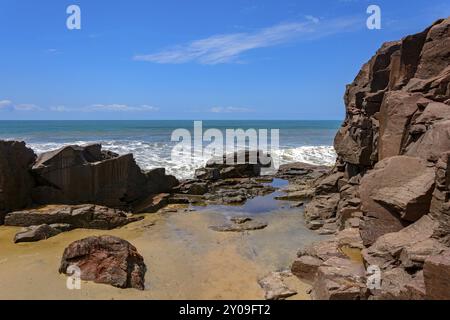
(396, 192)
(74, 174)
(106, 259)
(391, 179)
(385, 102)
(16, 181)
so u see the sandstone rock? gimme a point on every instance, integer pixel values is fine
(152, 203)
(340, 279)
(15, 179)
(81, 216)
(238, 225)
(329, 184)
(440, 204)
(411, 245)
(437, 276)
(433, 143)
(296, 195)
(322, 250)
(397, 284)
(207, 174)
(398, 187)
(395, 113)
(322, 207)
(274, 287)
(106, 259)
(74, 174)
(240, 164)
(36, 233)
(305, 267)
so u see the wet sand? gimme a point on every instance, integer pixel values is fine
(185, 259)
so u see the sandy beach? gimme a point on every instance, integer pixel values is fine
(185, 259)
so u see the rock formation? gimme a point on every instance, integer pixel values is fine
(391, 179)
(106, 259)
(74, 175)
(80, 216)
(16, 182)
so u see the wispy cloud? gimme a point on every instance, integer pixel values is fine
(8, 105)
(226, 48)
(229, 110)
(120, 108)
(52, 51)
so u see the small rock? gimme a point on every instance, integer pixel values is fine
(239, 227)
(36, 233)
(240, 220)
(298, 205)
(275, 288)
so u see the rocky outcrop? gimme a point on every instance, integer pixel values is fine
(241, 164)
(397, 191)
(16, 181)
(107, 260)
(74, 174)
(81, 216)
(391, 179)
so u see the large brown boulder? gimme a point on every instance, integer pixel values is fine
(15, 179)
(396, 192)
(74, 174)
(106, 259)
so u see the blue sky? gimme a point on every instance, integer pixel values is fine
(196, 59)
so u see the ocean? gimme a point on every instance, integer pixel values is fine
(150, 141)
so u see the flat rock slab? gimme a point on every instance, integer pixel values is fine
(82, 216)
(240, 225)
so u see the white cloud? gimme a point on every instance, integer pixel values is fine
(226, 48)
(4, 104)
(313, 19)
(27, 107)
(229, 110)
(10, 106)
(60, 109)
(120, 108)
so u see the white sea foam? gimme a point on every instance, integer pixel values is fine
(151, 155)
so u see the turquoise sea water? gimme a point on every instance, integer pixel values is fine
(150, 141)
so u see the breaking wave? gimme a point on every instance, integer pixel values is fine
(151, 155)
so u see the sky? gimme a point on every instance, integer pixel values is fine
(196, 59)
